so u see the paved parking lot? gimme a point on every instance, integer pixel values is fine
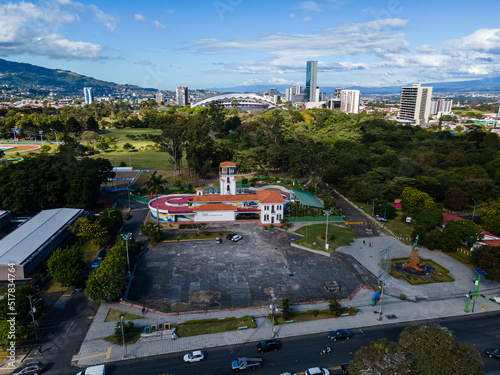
(203, 273)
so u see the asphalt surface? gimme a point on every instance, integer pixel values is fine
(298, 354)
(239, 274)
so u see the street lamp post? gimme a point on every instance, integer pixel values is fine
(474, 210)
(273, 310)
(381, 299)
(127, 237)
(41, 136)
(327, 213)
(32, 312)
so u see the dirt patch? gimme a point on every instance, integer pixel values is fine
(268, 290)
(205, 298)
(289, 287)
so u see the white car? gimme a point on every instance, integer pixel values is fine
(236, 238)
(195, 356)
(317, 371)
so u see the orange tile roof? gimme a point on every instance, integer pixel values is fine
(215, 207)
(270, 196)
(227, 164)
(199, 188)
(225, 198)
(491, 242)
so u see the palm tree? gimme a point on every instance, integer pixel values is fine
(154, 185)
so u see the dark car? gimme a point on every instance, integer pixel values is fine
(268, 345)
(339, 334)
(493, 353)
(101, 254)
(230, 235)
(110, 244)
(345, 368)
(128, 216)
(33, 368)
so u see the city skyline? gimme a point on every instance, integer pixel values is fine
(224, 43)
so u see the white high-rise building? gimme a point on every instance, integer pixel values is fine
(440, 106)
(349, 101)
(88, 92)
(182, 96)
(415, 104)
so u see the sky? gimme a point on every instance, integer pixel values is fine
(226, 43)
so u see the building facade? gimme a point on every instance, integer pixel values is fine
(415, 104)
(349, 101)
(441, 106)
(311, 81)
(88, 92)
(182, 96)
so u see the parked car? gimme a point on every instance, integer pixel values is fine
(110, 244)
(236, 238)
(218, 240)
(230, 235)
(381, 218)
(268, 345)
(340, 334)
(317, 371)
(94, 370)
(493, 353)
(33, 368)
(101, 254)
(80, 285)
(195, 356)
(96, 263)
(128, 216)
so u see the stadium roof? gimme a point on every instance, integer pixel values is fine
(19, 245)
(306, 198)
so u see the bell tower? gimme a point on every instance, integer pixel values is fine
(227, 177)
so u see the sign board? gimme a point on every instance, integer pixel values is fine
(408, 219)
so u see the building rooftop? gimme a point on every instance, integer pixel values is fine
(19, 245)
(307, 198)
(225, 198)
(270, 196)
(215, 207)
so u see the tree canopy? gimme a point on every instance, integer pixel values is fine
(66, 265)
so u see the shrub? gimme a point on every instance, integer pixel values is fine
(335, 308)
(265, 227)
(402, 296)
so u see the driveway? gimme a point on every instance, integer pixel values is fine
(200, 274)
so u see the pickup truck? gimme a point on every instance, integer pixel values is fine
(246, 363)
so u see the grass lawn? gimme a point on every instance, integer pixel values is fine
(114, 316)
(307, 316)
(208, 326)
(314, 237)
(144, 159)
(462, 258)
(53, 287)
(121, 133)
(130, 338)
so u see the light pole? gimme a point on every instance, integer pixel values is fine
(273, 309)
(32, 312)
(41, 135)
(127, 237)
(474, 210)
(129, 160)
(129, 207)
(123, 337)
(327, 213)
(381, 299)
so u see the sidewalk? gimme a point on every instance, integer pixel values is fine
(96, 351)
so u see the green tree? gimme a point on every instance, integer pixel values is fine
(153, 231)
(380, 357)
(111, 219)
(466, 230)
(435, 350)
(286, 309)
(66, 265)
(490, 216)
(335, 308)
(155, 185)
(89, 229)
(430, 217)
(91, 124)
(455, 199)
(488, 258)
(128, 146)
(414, 200)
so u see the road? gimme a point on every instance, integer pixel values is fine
(298, 354)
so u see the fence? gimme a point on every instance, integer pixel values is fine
(305, 219)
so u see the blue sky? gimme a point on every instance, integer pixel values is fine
(224, 43)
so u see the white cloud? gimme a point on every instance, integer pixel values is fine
(106, 19)
(336, 4)
(26, 28)
(425, 48)
(307, 19)
(485, 40)
(291, 15)
(281, 81)
(140, 17)
(159, 25)
(309, 5)
(253, 81)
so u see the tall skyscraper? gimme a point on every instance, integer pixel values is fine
(273, 92)
(349, 101)
(159, 97)
(88, 92)
(415, 104)
(182, 96)
(337, 93)
(440, 106)
(311, 81)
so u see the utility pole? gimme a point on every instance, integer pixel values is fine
(273, 310)
(33, 315)
(381, 299)
(327, 213)
(127, 237)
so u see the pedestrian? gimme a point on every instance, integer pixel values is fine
(370, 244)
(143, 310)
(275, 334)
(364, 242)
(39, 349)
(177, 238)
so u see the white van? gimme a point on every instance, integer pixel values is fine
(94, 370)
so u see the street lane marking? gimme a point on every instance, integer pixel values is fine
(108, 354)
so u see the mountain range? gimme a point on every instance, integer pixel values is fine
(36, 78)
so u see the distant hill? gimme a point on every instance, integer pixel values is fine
(36, 78)
(488, 84)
